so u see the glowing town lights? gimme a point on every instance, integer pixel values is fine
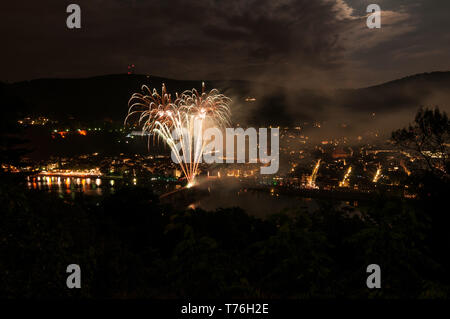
(313, 176)
(81, 173)
(111, 182)
(407, 171)
(377, 174)
(98, 182)
(344, 182)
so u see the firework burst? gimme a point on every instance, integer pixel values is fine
(186, 116)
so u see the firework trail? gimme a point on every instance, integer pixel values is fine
(184, 117)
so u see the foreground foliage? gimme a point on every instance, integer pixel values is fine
(131, 246)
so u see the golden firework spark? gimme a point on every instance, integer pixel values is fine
(187, 115)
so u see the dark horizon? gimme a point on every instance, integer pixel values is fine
(150, 76)
(395, 102)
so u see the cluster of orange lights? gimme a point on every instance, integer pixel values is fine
(63, 134)
(81, 173)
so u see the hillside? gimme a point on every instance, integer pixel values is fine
(106, 97)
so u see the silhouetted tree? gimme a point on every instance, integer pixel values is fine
(429, 138)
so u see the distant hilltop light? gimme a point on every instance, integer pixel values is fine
(250, 99)
(131, 69)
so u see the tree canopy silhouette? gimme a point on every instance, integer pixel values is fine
(429, 138)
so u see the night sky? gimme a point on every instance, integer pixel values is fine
(301, 43)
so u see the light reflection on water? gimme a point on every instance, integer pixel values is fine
(67, 185)
(89, 186)
(256, 203)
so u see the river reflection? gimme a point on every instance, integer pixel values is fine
(91, 186)
(68, 185)
(260, 202)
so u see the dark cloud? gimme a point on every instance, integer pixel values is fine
(191, 40)
(291, 42)
(414, 38)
